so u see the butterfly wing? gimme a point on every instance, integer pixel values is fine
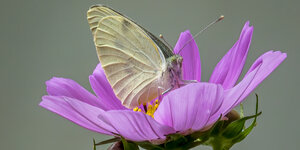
(132, 62)
(97, 12)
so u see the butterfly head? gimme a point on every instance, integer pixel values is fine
(175, 64)
(175, 60)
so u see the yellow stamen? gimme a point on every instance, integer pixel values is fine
(135, 109)
(155, 106)
(150, 109)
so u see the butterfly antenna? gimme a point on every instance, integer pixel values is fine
(201, 31)
(162, 37)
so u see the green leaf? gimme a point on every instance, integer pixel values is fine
(129, 145)
(244, 134)
(217, 128)
(193, 144)
(199, 136)
(107, 141)
(174, 137)
(175, 141)
(225, 135)
(234, 128)
(237, 126)
(149, 146)
(94, 146)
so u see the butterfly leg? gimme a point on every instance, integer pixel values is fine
(159, 95)
(163, 93)
(185, 82)
(168, 90)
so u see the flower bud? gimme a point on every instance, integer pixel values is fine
(232, 116)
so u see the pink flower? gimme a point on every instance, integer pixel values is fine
(189, 108)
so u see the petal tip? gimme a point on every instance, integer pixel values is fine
(285, 55)
(97, 69)
(187, 31)
(247, 23)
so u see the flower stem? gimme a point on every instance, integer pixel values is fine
(217, 144)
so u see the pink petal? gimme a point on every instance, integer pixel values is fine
(135, 126)
(231, 65)
(189, 107)
(191, 64)
(270, 61)
(103, 90)
(81, 113)
(69, 88)
(260, 69)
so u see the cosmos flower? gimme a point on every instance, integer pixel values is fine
(191, 108)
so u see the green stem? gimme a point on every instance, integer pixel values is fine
(217, 144)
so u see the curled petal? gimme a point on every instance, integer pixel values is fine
(135, 126)
(103, 89)
(189, 107)
(231, 65)
(78, 112)
(269, 62)
(191, 65)
(260, 69)
(69, 88)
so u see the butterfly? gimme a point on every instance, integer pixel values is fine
(138, 65)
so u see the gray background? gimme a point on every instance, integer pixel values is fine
(44, 38)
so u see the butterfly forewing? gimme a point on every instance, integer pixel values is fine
(132, 62)
(96, 13)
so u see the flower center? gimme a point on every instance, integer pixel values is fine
(148, 109)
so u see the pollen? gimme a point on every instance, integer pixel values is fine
(148, 109)
(136, 109)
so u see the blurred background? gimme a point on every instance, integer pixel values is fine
(40, 39)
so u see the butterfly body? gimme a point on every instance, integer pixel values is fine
(137, 64)
(174, 67)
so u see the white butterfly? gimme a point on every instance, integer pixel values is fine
(138, 65)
